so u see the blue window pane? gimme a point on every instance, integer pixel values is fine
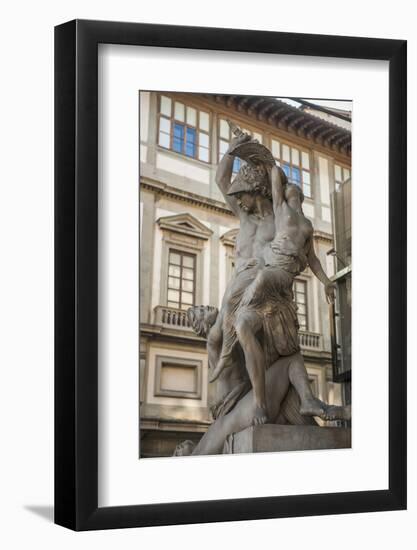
(179, 130)
(286, 168)
(178, 141)
(296, 175)
(177, 145)
(191, 135)
(190, 147)
(236, 164)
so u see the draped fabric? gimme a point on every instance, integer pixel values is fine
(267, 291)
(231, 399)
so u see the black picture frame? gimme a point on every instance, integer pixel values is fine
(76, 272)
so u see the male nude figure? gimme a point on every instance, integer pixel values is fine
(258, 227)
(267, 304)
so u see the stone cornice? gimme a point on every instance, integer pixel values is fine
(204, 202)
(184, 196)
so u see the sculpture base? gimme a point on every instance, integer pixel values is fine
(274, 438)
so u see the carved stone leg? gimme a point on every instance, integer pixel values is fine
(214, 341)
(241, 417)
(248, 324)
(310, 405)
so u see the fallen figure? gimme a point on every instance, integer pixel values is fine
(288, 396)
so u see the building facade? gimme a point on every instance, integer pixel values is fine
(187, 236)
(342, 309)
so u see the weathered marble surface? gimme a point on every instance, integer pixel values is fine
(273, 437)
(252, 341)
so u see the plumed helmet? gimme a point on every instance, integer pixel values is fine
(253, 152)
(252, 176)
(251, 179)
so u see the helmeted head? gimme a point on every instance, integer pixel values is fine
(251, 181)
(251, 178)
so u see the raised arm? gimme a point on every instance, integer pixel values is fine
(224, 173)
(277, 185)
(318, 271)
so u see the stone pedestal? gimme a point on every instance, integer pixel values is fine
(274, 438)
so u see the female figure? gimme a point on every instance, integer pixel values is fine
(265, 320)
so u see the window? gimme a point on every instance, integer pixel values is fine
(341, 174)
(181, 279)
(177, 377)
(184, 129)
(295, 163)
(225, 137)
(300, 297)
(342, 215)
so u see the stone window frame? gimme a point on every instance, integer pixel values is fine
(308, 277)
(184, 233)
(229, 242)
(195, 364)
(304, 281)
(182, 254)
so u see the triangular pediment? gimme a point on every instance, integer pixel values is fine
(229, 237)
(186, 224)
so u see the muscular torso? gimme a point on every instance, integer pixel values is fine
(293, 231)
(254, 234)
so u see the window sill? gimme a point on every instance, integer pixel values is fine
(182, 156)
